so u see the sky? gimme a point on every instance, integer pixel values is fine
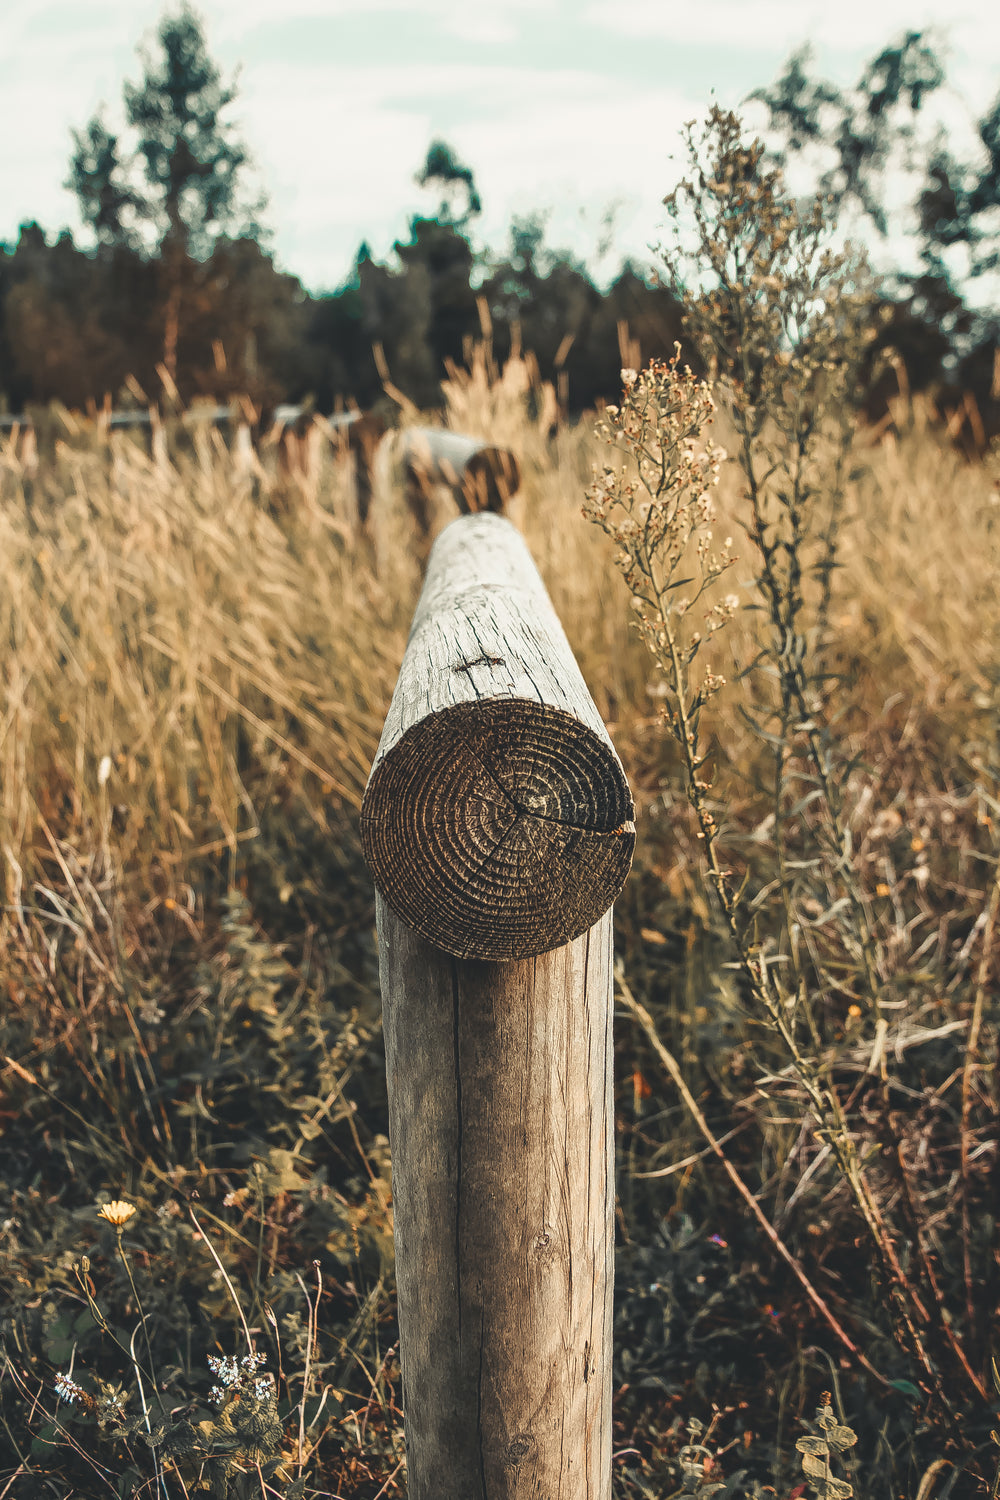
(569, 108)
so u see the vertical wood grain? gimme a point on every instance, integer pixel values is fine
(501, 1126)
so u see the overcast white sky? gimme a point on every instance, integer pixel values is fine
(569, 106)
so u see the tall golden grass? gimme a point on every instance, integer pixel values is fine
(188, 639)
(198, 648)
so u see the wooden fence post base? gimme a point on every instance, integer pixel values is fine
(501, 1125)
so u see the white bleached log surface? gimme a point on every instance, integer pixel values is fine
(497, 822)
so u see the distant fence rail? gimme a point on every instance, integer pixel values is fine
(482, 476)
(497, 823)
(479, 475)
(285, 416)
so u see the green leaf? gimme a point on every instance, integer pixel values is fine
(84, 1322)
(906, 1388)
(44, 1440)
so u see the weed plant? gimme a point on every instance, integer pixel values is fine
(198, 647)
(829, 961)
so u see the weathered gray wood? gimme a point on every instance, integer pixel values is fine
(480, 476)
(501, 1127)
(497, 819)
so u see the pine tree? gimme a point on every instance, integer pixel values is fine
(180, 194)
(192, 160)
(443, 169)
(108, 205)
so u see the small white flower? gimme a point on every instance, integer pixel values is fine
(226, 1369)
(104, 770)
(67, 1389)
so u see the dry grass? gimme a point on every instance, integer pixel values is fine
(186, 642)
(197, 657)
(177, 657)
(216, 639)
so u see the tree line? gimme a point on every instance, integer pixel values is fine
(178, 290)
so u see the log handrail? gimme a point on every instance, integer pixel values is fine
(481, 476)
(497, 819)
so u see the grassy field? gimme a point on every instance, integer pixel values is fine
(196, 666)
(198, 653)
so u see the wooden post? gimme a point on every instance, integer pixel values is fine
(361, 432)
(497, 823)
(501, 1127)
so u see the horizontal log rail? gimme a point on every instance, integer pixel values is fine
(140, 418)
(350, 426)
(480, 475)
(497, 820)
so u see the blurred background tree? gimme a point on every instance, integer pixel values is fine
(179, 282)
(948, 209)
(193, 165)
(180, 202)
(438, 265)
(108, 205)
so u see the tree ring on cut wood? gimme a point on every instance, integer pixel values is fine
(499, 828)
(497, 820)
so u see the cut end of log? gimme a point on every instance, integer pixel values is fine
(499, 829)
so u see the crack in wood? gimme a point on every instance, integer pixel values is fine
(530, 812)
(483, 661)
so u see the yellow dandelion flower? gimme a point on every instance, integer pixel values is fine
(117, 1213)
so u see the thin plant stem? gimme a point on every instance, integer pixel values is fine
(142, 1320)
(225, 1276)
(645, 1020)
